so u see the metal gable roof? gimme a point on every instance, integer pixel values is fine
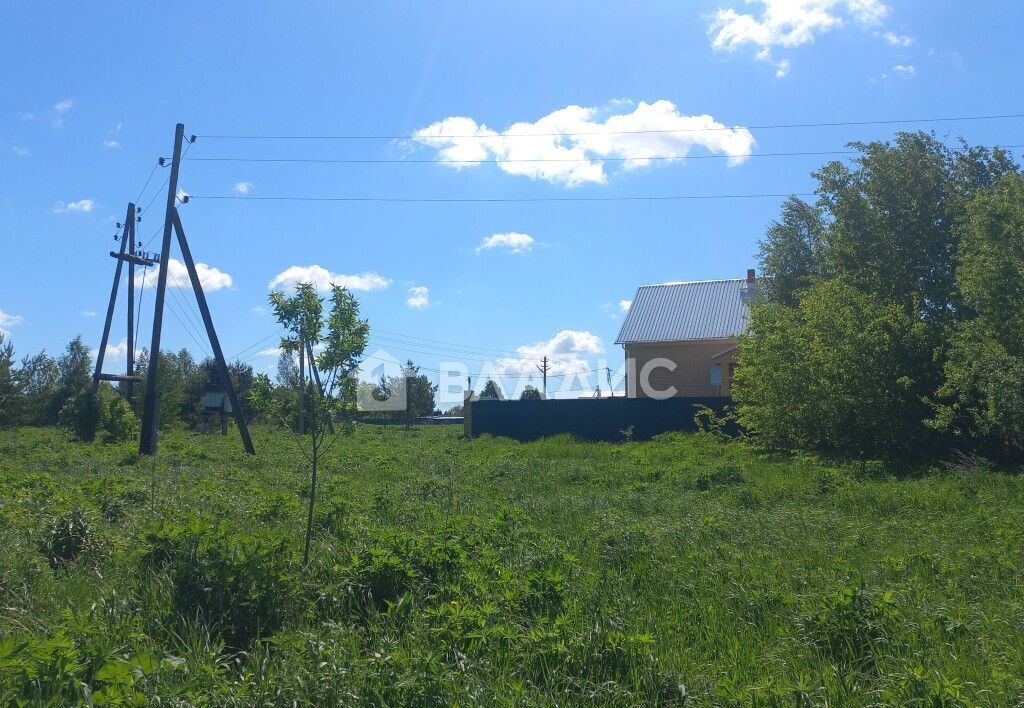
(672, 312)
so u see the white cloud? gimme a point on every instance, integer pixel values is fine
(26, 116)
(111, 143)
(624, 305)
(568, 146)
(7, 320)
(21, 151)
(788, 24)
(905, 70)
(114, 351)
(322, 279)
(82, 206)
(566, 353)
(895, 40)
(59, 109)
(88, 313)
(177, 276)
(511, 242)
(419, 297)
(243, 187)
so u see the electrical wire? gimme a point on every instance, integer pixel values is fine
(491, 200)
(500, 161)
(775, 126)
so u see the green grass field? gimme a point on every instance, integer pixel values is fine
(684, 571)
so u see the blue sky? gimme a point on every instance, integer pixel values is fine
(90, 95)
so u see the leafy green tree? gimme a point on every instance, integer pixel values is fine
(491, 391)
(791, 255)
(530, 393)
(982, 398)
(260, 397)
(37, 378)
(10, 386)
(835, 374)
(74, 375)
(882, 235)
(343, 338)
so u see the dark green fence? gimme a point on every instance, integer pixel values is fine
(609, 419)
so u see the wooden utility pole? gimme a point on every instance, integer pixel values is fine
(218, 353)
(151, 403)
(125, 255)
(544, 372)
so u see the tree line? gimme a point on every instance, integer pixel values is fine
(890, 321)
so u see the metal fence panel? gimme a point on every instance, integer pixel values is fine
(605, 419)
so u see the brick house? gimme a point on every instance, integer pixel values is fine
(681, 338)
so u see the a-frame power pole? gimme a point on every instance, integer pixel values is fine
(128, 255)
(151, 402)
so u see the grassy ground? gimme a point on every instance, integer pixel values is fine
(683, 571)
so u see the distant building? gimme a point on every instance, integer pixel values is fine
(684, 336)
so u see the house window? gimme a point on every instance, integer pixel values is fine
(715, 375)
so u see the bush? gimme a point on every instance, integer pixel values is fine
(81, 416)
(836, 374)
(119, 424)
(70, 537)
(238, 584)
(851, 625)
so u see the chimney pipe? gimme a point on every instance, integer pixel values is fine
(751, 276)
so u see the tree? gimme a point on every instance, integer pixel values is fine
(491, 391)
(420, 394)
(10, 386)
(530, 393)
(37, 379)
(791, 255)
(74, 376)
(835, 374)
(982, 397)
(882, 235)
(343, 338)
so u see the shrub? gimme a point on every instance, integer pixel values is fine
(70, 536)
(236, 583)
(841, 373)
(81, 416)
(850, 625)
(119, 422)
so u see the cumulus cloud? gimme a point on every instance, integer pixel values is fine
(243, 187)
(510, 242)
(177, 276)
(906, 70)
(566, 353)
(624, 305)
(322, 279)
(895, 40)
(111, 143)
(82, 206)
(419, 297)
(8, 320)
(88, 313)
(113, 351)
(21, 151)
(569, 145)
(789, 24)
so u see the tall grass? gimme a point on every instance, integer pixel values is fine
(683, 571)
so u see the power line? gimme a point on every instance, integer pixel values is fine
(490, 200)
(499, 161)
(774, 126)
